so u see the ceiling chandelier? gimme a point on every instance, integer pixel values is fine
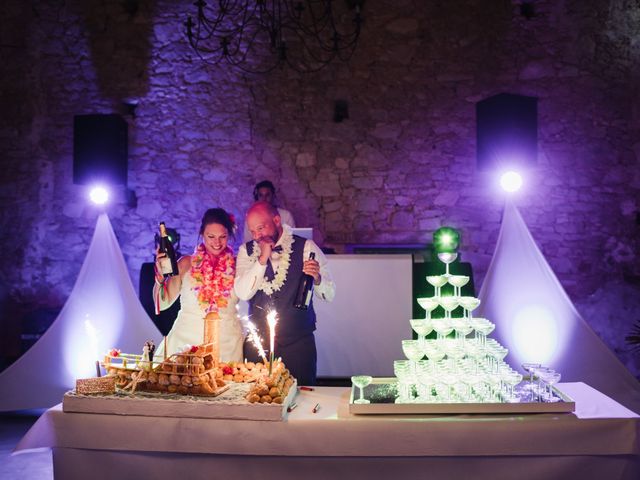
(258, 36)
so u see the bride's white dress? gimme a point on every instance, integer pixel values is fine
(188, 329)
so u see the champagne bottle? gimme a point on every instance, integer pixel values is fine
(168, 264)
(305, 289)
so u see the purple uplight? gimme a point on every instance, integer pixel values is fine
(511, 181)
(99, 195)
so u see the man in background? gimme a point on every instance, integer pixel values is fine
(265, 191)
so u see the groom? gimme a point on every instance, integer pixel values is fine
(268, 271)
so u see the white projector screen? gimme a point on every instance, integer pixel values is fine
(361, 331)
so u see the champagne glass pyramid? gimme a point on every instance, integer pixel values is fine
(457, 370)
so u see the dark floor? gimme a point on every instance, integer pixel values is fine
(25, 466)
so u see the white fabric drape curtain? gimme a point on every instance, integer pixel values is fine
(537, 322)
(101, 312)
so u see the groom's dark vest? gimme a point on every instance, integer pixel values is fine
(293, 323)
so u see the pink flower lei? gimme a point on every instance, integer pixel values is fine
(212, 278)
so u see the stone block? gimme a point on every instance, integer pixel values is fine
(403, 221)
(305, 159)
(368, 203)
(386, 131)
(368, 157)
(363, 223)
(369, 182)
(325, 186)
(341, 163)
(447, 198)
(429, 224)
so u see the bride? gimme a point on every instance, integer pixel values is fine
(205, 286)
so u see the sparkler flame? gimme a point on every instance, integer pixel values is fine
(255, 339)
(272, 320)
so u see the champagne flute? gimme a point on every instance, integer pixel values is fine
(429, 304)
(447, 258)
(483, 327)
(414, 351)
(402, 371)
(449, 304)
(437, 281)
(361, 381)
(443, 327)
(422, 327)
(458, 281)
(529, 367)
(469, 304)
(552, 379)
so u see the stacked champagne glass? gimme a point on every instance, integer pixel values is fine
(460, 365)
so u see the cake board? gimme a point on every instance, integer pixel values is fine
(230, 404)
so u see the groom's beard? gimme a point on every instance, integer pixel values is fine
(272, 238)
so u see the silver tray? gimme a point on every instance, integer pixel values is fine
(382, 393)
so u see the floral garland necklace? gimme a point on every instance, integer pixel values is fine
(271, 286)
(212, 278)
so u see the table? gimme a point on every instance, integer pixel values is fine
(599, 441)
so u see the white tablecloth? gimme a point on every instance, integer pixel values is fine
(599, 441)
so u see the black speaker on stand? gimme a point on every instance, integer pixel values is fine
(507, 131)
(100, 149)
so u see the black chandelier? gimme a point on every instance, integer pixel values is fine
(258, 36)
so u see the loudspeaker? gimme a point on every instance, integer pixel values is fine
(340, 110)
(100, 149)
(507, 131)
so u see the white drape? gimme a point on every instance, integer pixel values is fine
(537, 322)
(101, 312)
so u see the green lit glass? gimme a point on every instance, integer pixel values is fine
(446, 240)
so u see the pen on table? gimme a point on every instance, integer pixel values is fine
(316, 408)
(308, 389)
(292, 407)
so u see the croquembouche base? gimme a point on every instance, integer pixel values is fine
(231, 405)
(189, 383)
(190, 372)
(237, 402)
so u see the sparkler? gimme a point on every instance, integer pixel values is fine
(272, 320)
(255, 339)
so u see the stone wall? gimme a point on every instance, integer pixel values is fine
(402, 165)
